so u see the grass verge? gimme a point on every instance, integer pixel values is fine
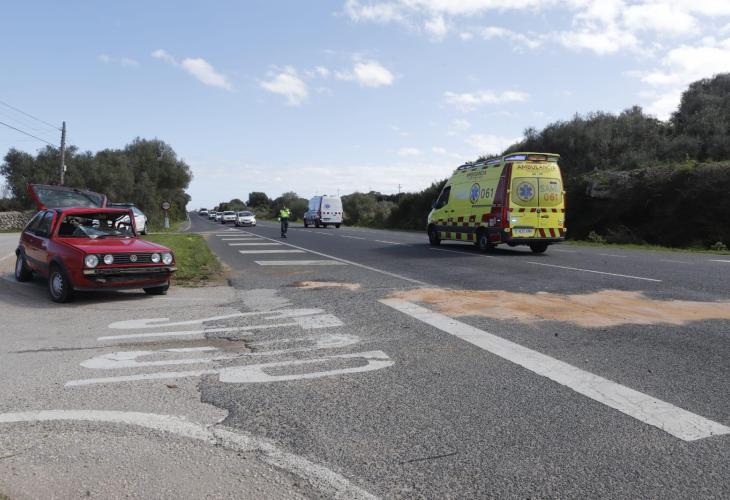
(645, 247)
(196, 264)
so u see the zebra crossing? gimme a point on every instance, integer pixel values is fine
(258, 247)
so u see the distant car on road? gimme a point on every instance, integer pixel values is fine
(140, 219)
(245, 219)
(228, 216)
(218, 216)
(78, 243)
(211, 215)
(203, 211)
(324, 211)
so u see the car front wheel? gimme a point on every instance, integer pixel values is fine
(157, 290)
(22, 273)
(59, 285)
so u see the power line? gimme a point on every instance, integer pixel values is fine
(29, 134)
(29, 115)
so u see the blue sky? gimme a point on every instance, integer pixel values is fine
(346, 95)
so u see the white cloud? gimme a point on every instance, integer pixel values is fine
(469, 101)
(680, 67)
(125, 62)
(490, 144)
(436, 27)
(367, 74)
(203, 71)
(457, 126)
(409, 152)
(439, 151)
(531, 40)
(466, 35)
(198, 67)
(322, 71)
(289, 84)
(659, 17)
(163, 55)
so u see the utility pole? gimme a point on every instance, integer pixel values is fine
(63, 151)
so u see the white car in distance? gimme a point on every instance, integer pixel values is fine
(245, 219)
(228, 216)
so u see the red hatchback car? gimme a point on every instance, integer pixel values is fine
(79, 244)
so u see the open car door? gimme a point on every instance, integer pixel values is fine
(62, 197)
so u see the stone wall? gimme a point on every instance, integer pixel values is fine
(14, 220)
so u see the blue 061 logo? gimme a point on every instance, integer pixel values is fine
(474, 195)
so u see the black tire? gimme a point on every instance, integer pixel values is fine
(337, 226)
(433, 237)
(483, 241)
(316, 224)
(59, 286)
(157, 290)
(538, 247)
(22, 272)
(306, 224)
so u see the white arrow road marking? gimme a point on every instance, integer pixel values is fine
(329, 482)
(163, 322)
(665, 416)
(255, 373)
(128, 359)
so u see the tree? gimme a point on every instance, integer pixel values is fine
(258, 199)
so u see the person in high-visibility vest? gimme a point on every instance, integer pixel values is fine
(284, 214)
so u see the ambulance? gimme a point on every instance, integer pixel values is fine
(517, 199)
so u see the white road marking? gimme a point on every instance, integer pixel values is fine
(563, 251)
(128, 359)
(595, 272)
(675, 261)
(353, 237)
(163, 322)
(331, 483)
(720, 260)
(11, 254)
(266, 244)
(665, 416)
(612, 255)
(388, 242)
(240, 239)
(472, 254)
(251, 374)
(299, 263)
(195, 333)
(352, 263)
(270, 251)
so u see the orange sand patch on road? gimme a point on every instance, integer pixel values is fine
(598, 309)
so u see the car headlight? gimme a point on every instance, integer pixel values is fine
(167, 258)
(155, 258)
(91, 261)
(108, 259)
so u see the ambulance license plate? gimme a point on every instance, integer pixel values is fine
(523, 231)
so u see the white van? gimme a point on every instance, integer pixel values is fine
(324, 211)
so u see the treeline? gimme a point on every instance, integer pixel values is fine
(145, 172)
(633, 178)
(265, 207)
(630, 177)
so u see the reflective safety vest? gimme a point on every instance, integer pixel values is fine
(284, 213)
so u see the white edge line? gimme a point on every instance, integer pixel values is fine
(719, 260)
(356, 264)
(11, 254)
(328, 481)
(676, 421)
(595, 272)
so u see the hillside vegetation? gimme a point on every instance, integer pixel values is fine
(630, 177)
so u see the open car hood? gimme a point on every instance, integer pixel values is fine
(64, 197)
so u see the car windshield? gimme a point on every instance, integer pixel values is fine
(96, 225)
(245, 214)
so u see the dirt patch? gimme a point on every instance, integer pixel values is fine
(598, 309)
(327, 284)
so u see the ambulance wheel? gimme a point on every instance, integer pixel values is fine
(316, 224)
(483, 242)
(433, 237)
(337, 226)
(538, 247)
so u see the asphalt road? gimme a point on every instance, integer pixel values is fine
(352, 363)
(580, 373)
